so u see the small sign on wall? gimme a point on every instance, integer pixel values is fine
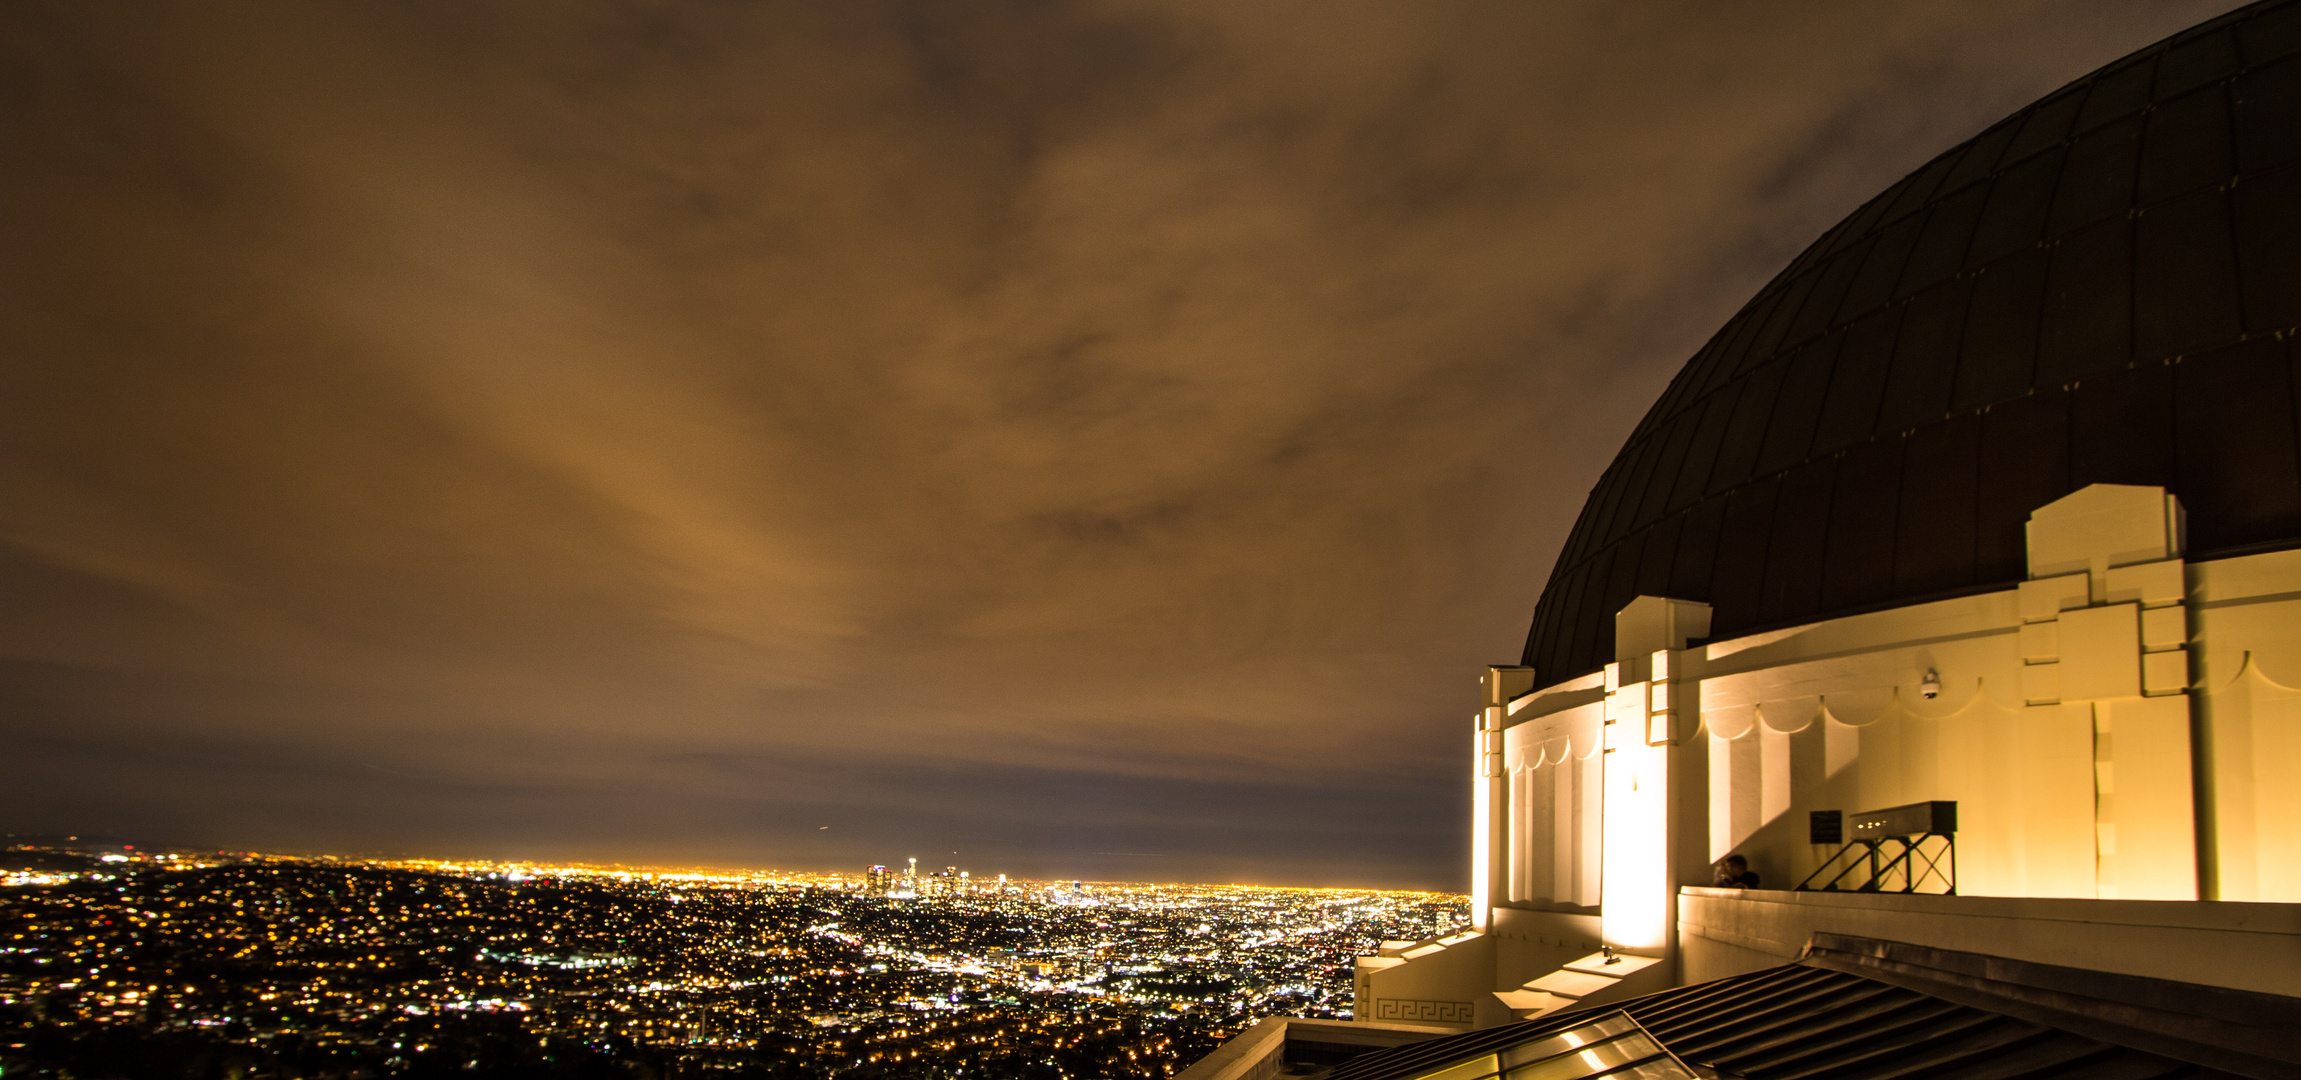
(1826, 827)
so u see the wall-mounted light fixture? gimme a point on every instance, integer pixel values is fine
(1930, 686)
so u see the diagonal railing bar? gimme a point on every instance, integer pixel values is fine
(1908, 868)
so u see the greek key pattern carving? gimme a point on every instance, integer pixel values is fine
(1411, 1010)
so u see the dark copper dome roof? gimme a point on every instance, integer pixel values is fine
(2102, 287)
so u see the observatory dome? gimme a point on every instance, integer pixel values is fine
(2102, 287)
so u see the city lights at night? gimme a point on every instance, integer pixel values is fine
(170, 963)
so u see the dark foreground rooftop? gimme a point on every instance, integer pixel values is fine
(1861, 1009)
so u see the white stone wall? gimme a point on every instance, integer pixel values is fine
(2257, 947)
(2094, 725)
(1556, 767)
(2060, 725)
(2246, 648)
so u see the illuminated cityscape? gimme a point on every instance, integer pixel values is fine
(115, 961)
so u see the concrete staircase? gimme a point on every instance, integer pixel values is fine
(1599, 977)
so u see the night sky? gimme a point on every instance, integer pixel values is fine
(1101, 440)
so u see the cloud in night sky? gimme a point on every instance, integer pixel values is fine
(1036, 431)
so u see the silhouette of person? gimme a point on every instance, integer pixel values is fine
(1734, 873)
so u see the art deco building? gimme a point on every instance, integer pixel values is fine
(1985, 512)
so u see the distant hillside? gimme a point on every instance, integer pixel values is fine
(46, 859)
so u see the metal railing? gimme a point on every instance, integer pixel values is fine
(1926, 862)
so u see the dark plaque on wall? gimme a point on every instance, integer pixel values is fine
(1827, 827)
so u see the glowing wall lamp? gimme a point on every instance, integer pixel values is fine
(1481, 831)
(1634, 889)
(1634, 878)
